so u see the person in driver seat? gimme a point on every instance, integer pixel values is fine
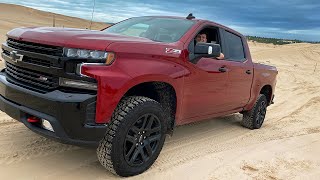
(202, 37)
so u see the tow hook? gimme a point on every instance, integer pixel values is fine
(33, 119)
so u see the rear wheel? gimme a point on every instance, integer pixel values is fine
(254, 118)
(134, 137)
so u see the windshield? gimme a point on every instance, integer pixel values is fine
(154, 28)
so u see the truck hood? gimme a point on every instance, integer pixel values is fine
(70, 37)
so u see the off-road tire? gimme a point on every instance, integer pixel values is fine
(251, 118)
(113, 147)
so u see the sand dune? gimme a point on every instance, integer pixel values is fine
(287, 146)
(12, 16)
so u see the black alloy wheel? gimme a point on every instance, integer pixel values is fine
(142, 140)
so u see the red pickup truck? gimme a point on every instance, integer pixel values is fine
(125, 87)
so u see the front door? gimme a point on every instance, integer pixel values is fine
(205, 88)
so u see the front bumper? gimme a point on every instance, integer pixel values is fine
(72, 115)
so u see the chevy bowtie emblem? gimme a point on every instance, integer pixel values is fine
(15, 56)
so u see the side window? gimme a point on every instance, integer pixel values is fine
(235, 47)
(211, 35)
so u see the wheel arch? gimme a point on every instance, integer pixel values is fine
(160, 91)
(267, 91)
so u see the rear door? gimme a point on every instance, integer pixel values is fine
(240, 74)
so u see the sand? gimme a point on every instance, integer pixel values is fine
(13, 16)
(286, 147)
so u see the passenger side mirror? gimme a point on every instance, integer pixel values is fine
(207, 49)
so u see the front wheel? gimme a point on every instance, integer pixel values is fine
(254, 118)
(134, 138)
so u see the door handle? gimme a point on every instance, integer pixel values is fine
(223, 69)
(248, 71)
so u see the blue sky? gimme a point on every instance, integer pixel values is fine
(293, 19)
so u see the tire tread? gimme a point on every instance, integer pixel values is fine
(248, 116)
(105, 147)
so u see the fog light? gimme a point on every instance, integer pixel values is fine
(77, 84)
(46, 125)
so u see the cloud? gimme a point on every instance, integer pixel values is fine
(296, 18)
(58, 1)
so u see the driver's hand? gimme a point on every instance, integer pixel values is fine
(221, 56)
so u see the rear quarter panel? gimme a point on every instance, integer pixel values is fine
(263, 75)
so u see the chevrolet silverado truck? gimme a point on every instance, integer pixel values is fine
(125, 87)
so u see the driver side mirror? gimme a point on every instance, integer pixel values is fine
(207, 49)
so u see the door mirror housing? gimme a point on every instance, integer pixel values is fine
(207, 49)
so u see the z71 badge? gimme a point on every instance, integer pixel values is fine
(173, 51)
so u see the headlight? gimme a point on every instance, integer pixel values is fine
(93, 57)
(89, 54)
